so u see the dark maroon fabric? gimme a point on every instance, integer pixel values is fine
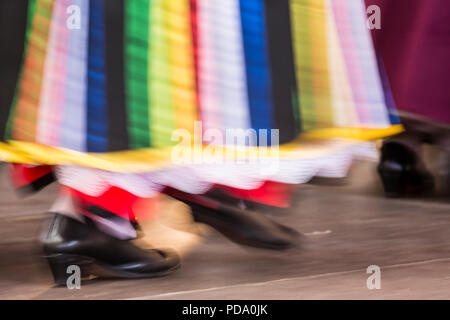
(414, 42)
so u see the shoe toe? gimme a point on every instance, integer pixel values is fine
(171, 258)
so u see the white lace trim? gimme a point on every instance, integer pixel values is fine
(198, 179)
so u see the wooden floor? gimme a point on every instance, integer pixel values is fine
(347, 228)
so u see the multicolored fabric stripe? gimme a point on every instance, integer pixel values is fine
(24, 117)
(394, 117)
(55, 72)
(182, 64)
(162, 121)
(360, 63)
(311, 60)
(222, 80)
(137, 70)
(368, 64)
(259, 80)
(171, 82)
(74, 114)
(97, 124)
(341, 92)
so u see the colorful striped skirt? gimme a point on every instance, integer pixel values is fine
(134, 88)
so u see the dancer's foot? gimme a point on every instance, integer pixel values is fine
(70, 242)
(244, 227)
(402, 172)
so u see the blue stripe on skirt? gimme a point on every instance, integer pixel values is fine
(97, 131)
(257, 64)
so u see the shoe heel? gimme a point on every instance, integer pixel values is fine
(59, 265)
(392, 181)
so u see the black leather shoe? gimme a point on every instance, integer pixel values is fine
(70, 242)
(402, 172)
(244, 227)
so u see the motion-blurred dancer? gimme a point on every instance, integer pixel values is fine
(124, 100)
(413, 43)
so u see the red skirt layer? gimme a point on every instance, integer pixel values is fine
(123, 203)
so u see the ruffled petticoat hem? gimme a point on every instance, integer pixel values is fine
(330, 159)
